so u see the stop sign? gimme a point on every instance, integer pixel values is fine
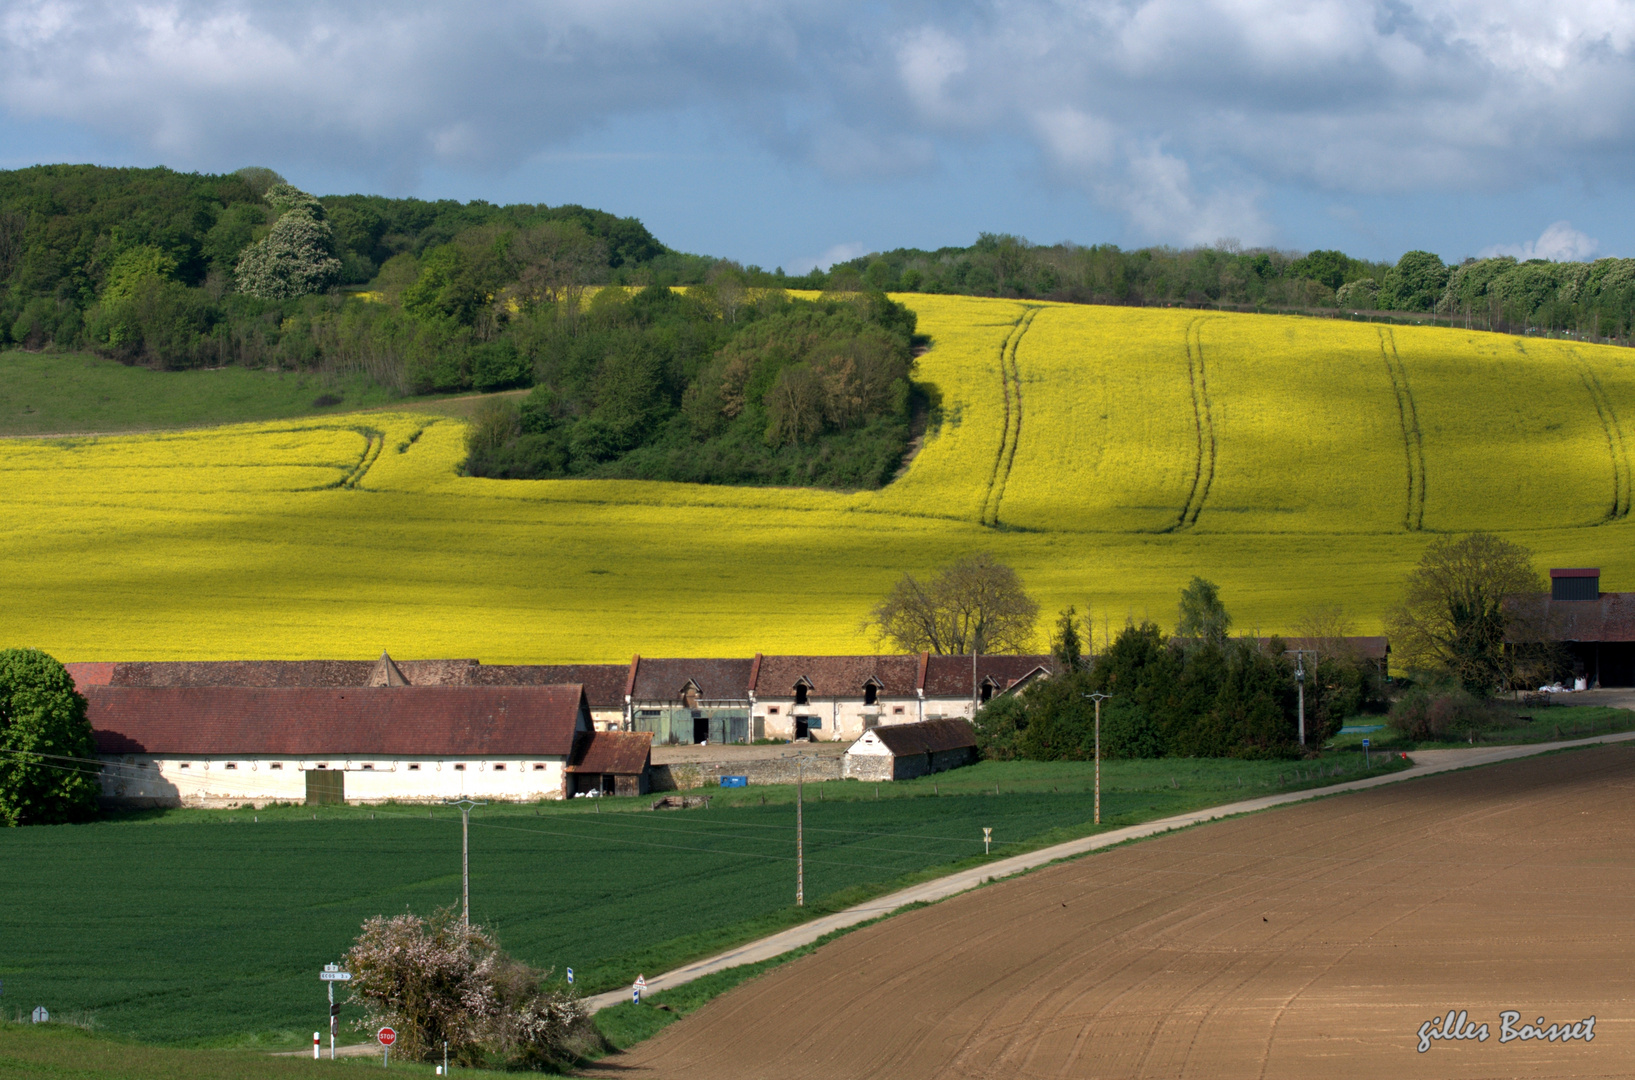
(386, 1036)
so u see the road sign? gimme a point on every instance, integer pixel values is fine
(735, 781)
(40, 1015)
(570, 976)
(636, 990)
(335, 976)
(386, 1036)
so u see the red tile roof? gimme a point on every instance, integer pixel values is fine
(837, 676)
(309, 673)
(625, 753)
(950, 676)
(90, 674)
(471, 721)
(603, 683)
(717, 679)
(926, 737)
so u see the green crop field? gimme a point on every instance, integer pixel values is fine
(209, 927)
(1109, 454)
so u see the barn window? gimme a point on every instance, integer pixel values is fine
(414, 766)
(800, 693)
(232, 764)
(461, 767)
(538, 767)
(987, 692)
(183, 765)
(323, 765)
(369, 768)
(897, 710)
(499, 766)
(276, 765)
(871, 694)
(773, 710)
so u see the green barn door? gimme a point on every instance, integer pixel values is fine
(325, 786)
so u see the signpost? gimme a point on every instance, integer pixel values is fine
(1366, 764)
(987, 838)
(332, 974)
(570, 976)
(636, 990)
(387, 1037)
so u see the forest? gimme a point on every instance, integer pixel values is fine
(182, 270)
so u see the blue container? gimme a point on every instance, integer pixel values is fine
(735, 781)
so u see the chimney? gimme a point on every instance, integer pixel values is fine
(1581, 584)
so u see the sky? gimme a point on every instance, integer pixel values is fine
(793, 134)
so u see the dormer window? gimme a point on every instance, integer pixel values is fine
(800, 693)
(987, 691)
(871, 694)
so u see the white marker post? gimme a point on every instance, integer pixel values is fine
(570, 976)
(987, 837)
(332, 974)
(316, 1053)
(636, 990)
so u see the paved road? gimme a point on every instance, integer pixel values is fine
(1425, 763)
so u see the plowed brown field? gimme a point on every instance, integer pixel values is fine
(1307, 942)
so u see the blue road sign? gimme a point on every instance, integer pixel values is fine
(735, 781)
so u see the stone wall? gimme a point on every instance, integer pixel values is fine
(683, 775)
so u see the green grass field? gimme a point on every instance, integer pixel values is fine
(52, 393)
(208, 928)
(1510, 726)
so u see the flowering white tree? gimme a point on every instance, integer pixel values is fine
(296, 257)
(440, 979)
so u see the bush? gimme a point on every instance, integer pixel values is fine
(44, 739)
(443, 980)
(1436, 714)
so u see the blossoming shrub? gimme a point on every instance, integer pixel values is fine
(441, 979)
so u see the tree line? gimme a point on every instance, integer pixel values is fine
(711, 386)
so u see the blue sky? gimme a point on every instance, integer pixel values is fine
(786, 134)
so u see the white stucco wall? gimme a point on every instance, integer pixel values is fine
(222, 781)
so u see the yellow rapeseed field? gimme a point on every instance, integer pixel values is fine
(1108, 453)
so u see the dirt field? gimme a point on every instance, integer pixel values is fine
(1313, 941)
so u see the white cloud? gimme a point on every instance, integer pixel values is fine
(1360, 97)
(1558, 243)
(837, 254)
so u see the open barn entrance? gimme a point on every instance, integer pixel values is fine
(701, 729)
(802, 727)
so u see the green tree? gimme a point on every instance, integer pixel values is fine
(45, 743)
(1459, 605)
(1414, 284)
(977, 604)
(1203, 616)
(295, 258)
(1065, 643)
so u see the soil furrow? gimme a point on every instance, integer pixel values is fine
(1413, 442)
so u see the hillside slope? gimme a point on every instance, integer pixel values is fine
(1108, 453)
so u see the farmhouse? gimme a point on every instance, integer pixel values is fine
(904, 751)
(238, 745)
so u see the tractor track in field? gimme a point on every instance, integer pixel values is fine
(374, 440)
(1010, 382)
(1203, 423)
(1617, 446)
(1413, 441)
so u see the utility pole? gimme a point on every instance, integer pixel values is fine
(1098, 697)
(800, 846)
(466, 806)
(1300, 689)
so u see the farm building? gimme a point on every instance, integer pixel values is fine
(904, 751)
(612, 763)
(604, 684)
(837, 698)
(237, 745)
(690, 701)
(1596, 628)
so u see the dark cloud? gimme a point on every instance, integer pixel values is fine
(1178, 114)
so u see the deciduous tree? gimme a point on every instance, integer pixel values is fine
(1453, 617)
(977, 604)
(46, 748)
